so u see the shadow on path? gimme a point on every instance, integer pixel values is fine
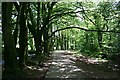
(63, 67)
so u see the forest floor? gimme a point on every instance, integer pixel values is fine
(64, 64)
(36, 71)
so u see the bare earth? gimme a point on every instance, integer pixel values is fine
(65, 65)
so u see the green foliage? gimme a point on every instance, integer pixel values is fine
(95, 17)
(95, 36)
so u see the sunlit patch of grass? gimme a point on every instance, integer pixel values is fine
(88, 59)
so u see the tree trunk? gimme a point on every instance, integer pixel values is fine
(15, 33)
(62, 42)
(35, 30)
(45, 28)
(46, 42)
(99, 39)
(22, 37)
(9, 55)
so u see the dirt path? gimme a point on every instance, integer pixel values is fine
(63, 67)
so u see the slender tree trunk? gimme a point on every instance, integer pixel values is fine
(45, 28)
(34, 31)
(46, 42)
(66, 40)
(51, 40)
(15, 35)
(17, 24)
(62, 42)
(38, 35)
(57, 40)
(99, 38)
(22, 37)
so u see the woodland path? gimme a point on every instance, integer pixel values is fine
(63, 67)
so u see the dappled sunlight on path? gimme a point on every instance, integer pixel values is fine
(66, 65)
(63, 67)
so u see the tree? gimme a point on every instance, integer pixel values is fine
(9, 54)
(22, 36)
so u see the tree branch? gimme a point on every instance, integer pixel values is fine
(87, 16)
(52, 4)
(62, 14)
(81, 29)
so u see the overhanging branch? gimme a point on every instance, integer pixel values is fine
(81, 29)
(63, 14)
